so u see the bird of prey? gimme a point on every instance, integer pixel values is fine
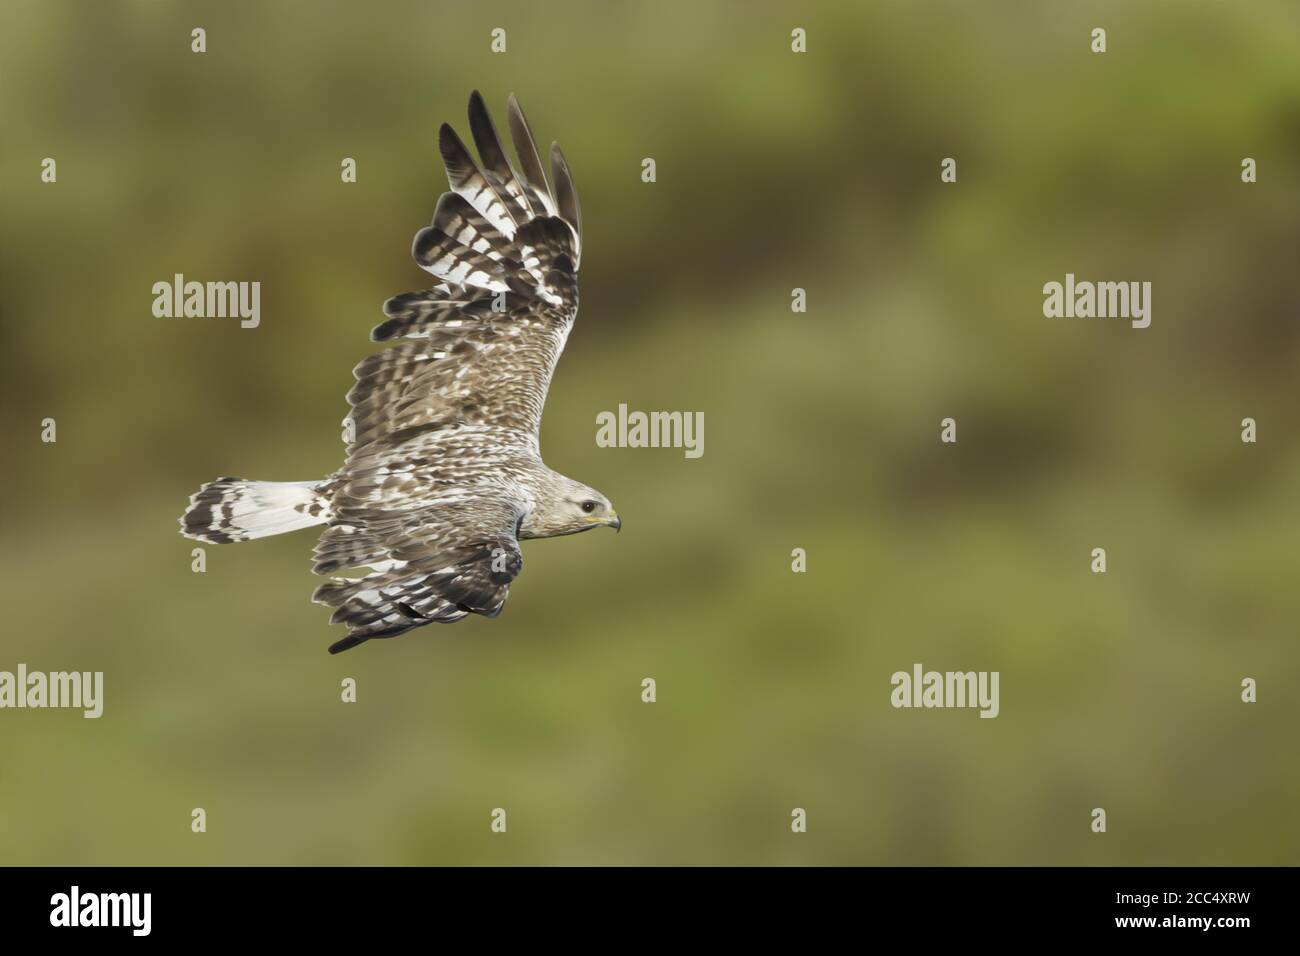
(443, 476)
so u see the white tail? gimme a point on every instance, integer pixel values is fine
(234, 509)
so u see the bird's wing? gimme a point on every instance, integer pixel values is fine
(481, 344)
(434, 564)
(423, 499)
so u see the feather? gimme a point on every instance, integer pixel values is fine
(442, 255)
(444, 580)
(530, 164)
(458, 219)
(566, 198)
(414, 313)
(235, 509)
(465, 178)
(496, 167)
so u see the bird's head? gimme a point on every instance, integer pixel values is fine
(572, 507)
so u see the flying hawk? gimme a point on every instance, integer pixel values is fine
(443, 476)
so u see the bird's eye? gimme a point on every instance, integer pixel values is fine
(589, 506)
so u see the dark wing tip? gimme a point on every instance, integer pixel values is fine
(521, 134)
(478, 111)
(566, 200)
(346, 643)
(447, 137)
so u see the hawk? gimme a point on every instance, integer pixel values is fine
(443, 475)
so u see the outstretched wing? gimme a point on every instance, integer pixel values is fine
(437, 421)
(484, 341)
(432, 565)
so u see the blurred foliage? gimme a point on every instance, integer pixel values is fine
(775, 170)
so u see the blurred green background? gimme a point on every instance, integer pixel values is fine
(775, 171)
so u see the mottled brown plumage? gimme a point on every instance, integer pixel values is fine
(443, 474)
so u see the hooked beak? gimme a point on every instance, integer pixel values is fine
(615, 522)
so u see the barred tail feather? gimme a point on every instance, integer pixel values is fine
(235, 509)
